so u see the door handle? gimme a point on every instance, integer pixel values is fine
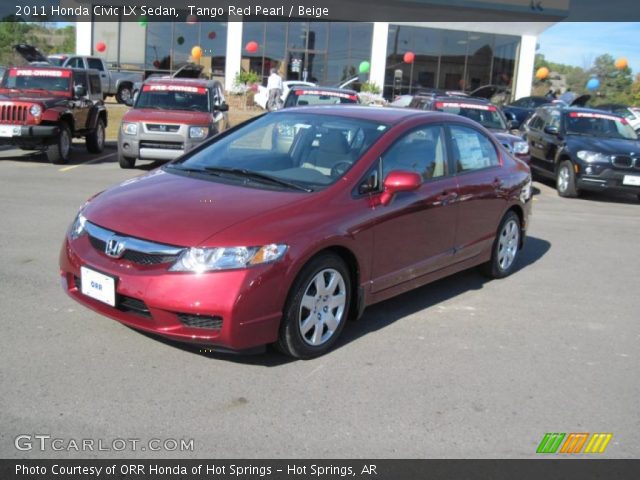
(447, 197)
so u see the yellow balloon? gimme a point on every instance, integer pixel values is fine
(542, 73)
(196, 52)
(621, 63)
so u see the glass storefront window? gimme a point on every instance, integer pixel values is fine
(159, 35)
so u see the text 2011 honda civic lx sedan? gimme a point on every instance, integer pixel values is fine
(280, 229)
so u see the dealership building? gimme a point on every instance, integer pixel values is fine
(451, 55)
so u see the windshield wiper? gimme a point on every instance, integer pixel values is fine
(178, 166)
(262, 177)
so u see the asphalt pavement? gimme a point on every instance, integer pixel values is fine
(463, 368)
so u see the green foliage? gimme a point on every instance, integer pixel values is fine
(246, 78)
(370, 87)
(47, 39)
(616, 85)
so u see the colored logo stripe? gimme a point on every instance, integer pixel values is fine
(574, 443)
(598, 443)
(550, 442)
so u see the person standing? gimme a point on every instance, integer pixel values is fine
(274, 88)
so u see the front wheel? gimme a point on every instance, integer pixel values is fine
(566, 180)
(124, 94)
(60, 151)
(126, 162)
(317, 308)
(506, 248)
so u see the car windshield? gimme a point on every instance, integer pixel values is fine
(174, 97)
(599, 125)
(298, 97)
(486, 115)
(285, 150)
(34, 79)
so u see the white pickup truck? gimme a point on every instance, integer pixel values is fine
(115, 83)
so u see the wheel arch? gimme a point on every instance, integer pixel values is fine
(519, 211)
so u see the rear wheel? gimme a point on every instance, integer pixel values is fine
(60, 151)
(506, 248)
(566, 180)
(95, 140)
(126, 162)
(317, 308)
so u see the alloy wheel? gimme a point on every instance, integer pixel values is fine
(508, 244)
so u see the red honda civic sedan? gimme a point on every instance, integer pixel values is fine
(282, 228)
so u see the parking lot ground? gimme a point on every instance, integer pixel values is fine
(465, 367)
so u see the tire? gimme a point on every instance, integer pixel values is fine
(506, 248)
(95, 140)
(126, 162)
(125, 92)
(312, 321)
(60, 152)
(566, 180)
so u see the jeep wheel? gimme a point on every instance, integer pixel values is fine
(60, 151)
(566, 180)
(124, 94)
(126, 162)
(95, 140)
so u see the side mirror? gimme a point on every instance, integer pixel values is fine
(399, 181)
(223, 107)
(79, 91)
(551, 130)
(513, 125)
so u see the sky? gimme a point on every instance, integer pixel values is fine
(580, 43)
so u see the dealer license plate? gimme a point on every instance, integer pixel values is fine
(9, 131)
(98, 285)
(631, 180)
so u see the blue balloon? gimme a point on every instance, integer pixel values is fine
(593, 84)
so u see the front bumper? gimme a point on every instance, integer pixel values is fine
(247, 304)
(26, 134)
(607, 179)
(157, 146)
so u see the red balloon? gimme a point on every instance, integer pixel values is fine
(212, 35)
(251, 47)
(409, 57)
(101, 47)
(192, 19)
(156, 63)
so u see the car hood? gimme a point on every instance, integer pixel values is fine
(167, 116)
(179, 210)
(604, 145)
(44, 98)
(506, 137)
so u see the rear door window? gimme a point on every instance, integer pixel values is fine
(95, 63)
(472, 150)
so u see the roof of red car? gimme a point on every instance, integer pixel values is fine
(376, 114)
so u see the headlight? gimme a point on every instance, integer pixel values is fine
(130, 128)
(35, 110)
(525, 193)
(591, 157)
(200, 260)
(78, 227)
(198, 132)
(520, 148)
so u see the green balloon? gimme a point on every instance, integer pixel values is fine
(143, 21)
(180, 40)
(364, 67)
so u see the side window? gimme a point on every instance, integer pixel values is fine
(75, 62)
(94, 81)
(421, 151)
(95, 63)
(472, 150)
(553, 119)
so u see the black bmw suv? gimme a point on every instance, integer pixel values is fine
(584, 149)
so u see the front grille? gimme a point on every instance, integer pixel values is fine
(200, 321)
(622, 161)
(157, 127)
(162, 145)
(124, 303)
(134, 256)
(13, 113)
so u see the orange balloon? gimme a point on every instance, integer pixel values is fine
(621, 63)
(196, 53)
(542, 73)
